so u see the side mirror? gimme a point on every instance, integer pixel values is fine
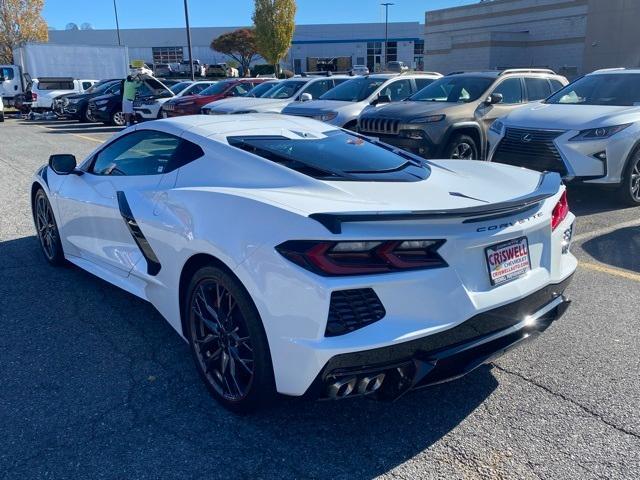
(306, 97)
(62, 164)
(381, 99)
(493, 99)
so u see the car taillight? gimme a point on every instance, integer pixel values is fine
(560, 211)
(34, 97)
(363, 257)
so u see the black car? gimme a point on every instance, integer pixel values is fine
(74, 105)
(107, 108)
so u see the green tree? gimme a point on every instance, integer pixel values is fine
(20, 21)
(239, 45)
(274, 22)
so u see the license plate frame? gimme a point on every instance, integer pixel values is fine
(495, 276)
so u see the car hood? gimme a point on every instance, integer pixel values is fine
(254, 104)
(570, 117)
(110, 96)
(452, 184)
(316, 106)
(409, 109)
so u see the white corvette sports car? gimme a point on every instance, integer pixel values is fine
(299, 258)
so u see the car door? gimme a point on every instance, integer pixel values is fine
(512, 92)
(127, 175)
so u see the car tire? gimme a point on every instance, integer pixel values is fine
(231, 353)
(629, 191)
(461, 147)
(47, 229)
(118, 119)
(85, 117)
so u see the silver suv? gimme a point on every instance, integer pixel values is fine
(588, 132)
(450, 118)
(342, 105)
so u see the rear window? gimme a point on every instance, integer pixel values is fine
(335, 155)
(55, 85)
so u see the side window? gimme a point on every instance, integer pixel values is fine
(511, 90)
(555, 85)
(423, 82)
(145, 152)
(86, 85)
(315, 89)
(7, 73)
(537, 88)
(338, 81)
(240, 89)
(397, 90)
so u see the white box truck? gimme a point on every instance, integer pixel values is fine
(45, 60)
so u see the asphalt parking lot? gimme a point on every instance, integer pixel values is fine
(94, 383)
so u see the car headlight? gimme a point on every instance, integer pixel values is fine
(429, 119)
(497, 127)
(326, 117)
(185, 104)
(600, 133)
(102, 102)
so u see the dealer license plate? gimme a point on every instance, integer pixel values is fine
(508, 260)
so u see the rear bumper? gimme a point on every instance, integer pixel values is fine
(388, 373)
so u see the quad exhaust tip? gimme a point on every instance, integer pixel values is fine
(346, 386)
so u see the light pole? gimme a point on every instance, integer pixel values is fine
(186, 17)
(386, 30)
(115, 9)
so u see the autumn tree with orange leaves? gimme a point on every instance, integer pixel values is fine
(20, 21)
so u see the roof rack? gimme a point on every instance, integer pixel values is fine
(527, 70)
(410, 72)
(615, 69)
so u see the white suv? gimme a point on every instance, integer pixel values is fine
(44, 90)
(342, 105)
(588, 132)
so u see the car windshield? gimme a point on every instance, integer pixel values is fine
(99, 87)
(178, 87)
(286, 89)
(260, 90)
(458, 89)
(335, 155)
(215, 89)
(355, 90)
(606, 89)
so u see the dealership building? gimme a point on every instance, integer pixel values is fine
(570, 36)
(315, 47)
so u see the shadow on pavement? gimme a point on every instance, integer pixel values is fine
(85, 130)
(620, 248)
(588, 200)
(93, 379)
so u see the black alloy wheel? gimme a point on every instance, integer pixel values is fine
(462, 147)
(227, 341)
(47, 229)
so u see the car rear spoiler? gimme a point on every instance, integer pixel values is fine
(548, 186)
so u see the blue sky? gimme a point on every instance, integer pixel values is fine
(204, 13)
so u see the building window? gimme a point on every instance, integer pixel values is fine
(392, 52)
(167, 54)
(374, 55)
(418, 47)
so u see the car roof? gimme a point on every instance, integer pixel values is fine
(611, 71)
(219, 126)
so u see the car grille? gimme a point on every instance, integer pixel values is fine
(353, 309)
(379, 125)
(538, 153)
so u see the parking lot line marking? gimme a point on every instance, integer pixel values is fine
(604, 231)
(618, 272)
(88, 138)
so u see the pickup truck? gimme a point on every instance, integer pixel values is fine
(44, 90)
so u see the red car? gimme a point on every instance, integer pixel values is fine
(191, 104)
